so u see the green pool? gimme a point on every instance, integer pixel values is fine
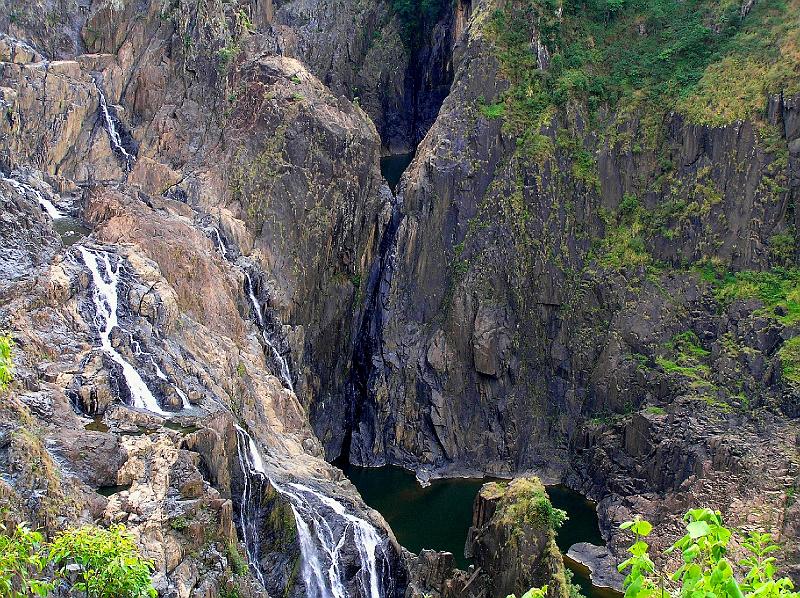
(439, 516)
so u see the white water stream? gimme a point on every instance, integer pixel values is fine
(46, 204)
(104, 294)
(323, 528)
(285, 373)
(218, 241)
(111, 128)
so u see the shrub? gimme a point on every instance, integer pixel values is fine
(6, 360)
(22, 559)
(789, 354)
(707, 571)
(237, 561)
(107, 562)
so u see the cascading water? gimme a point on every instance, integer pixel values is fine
(329, 543)
(218, 242)
(113, 133)
(46, 204)
(253, 475)
(105, 278)
(324, 529)
(137, 349)
(280, 360)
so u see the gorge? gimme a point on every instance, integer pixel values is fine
(350, 299)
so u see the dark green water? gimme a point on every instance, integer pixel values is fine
(112, 490)
(393, 167)
(440, 515)
(70, 230)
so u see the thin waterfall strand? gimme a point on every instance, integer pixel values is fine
(46, 204)
(283, 365)
(104, 295)
(111, 128)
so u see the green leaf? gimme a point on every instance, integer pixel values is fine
(698, 529)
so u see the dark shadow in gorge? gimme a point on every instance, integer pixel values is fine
(429, 76)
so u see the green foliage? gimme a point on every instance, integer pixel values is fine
(701, 57)
(685, 357)
(97, 562)
(22, 560)
(6, 360)
(525, 501)
(706, 570)
(778, 289)
(107, 561)
(623, 246)
(237, 561)
(532, 593)
(179, 523)
(782, 248)
(789, 354)
(227, 54)
(492, 111)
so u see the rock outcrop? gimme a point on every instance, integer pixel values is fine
(511, 543)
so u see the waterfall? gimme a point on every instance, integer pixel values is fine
(252, 471)
(329, 542)
(280, 363)
(113, 134)
(185, 404)
(280, 360)
(104, 294)
(220, 244)
(324, 528)
(46, 204)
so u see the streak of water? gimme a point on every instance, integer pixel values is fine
(105, 278)
(46, 204)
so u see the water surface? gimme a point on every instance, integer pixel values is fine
(70, 230)
(393, 167)
(439, 516)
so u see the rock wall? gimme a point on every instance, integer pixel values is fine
(230, 161)
(511, 340)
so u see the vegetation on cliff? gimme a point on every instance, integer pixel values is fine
(95, 562)
(6, 360)
(714, 61)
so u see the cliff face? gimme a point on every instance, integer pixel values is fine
(605, 296)
(579, 308)
(228, 191)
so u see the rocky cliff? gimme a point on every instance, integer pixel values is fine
(599, 289)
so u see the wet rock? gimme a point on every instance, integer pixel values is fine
(602, 565)
(95, 457)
